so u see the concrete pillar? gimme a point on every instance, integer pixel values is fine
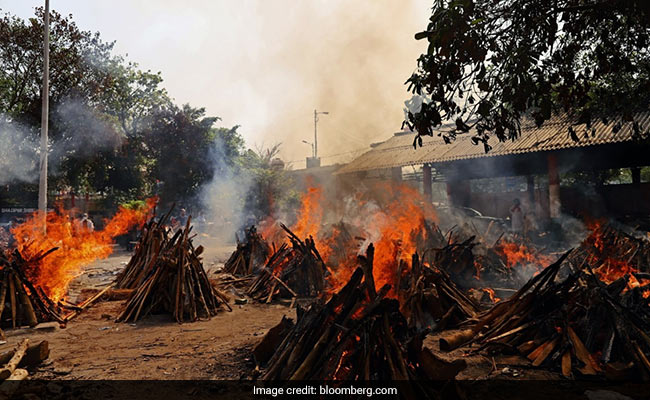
(396, 174)
(636, 175)
(459, 193)
(530, 187)
(554, 203)
(426, 182)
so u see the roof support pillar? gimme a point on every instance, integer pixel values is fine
(636, 175)
(554, 203)
(426, 182)
(459, 193)
(530, 187)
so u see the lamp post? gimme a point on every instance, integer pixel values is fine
(312, 147)
(42, 183)
(316, 114)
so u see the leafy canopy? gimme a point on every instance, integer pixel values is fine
(491, 63)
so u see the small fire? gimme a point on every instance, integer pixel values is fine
(605, 261)
(493, 297)
(77, 246)
(518, 254)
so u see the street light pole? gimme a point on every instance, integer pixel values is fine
(42, 184)
(316, 130)
(312, 147)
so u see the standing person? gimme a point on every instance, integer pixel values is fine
(516, 218)
(182, 218)
(87, 224)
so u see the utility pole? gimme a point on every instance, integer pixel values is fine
(316, 131)
(42, 184)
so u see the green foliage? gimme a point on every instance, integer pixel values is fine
(179, 140)
(490, 63)
(113, 128)
(270, 190)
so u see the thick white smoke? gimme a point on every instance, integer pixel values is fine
(18, 152)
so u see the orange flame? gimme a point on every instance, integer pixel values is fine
(393, 229)
(77, 245)
(310, 215)
(604, 259)
(493, 297)
(518, 254)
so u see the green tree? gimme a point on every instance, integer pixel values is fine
(490, 63)
(179, 142)
(270, 188)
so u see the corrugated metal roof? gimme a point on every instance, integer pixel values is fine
(553, 135)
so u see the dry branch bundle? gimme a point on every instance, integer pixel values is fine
(28, 305)
(250, 255)
(167, 276)
(292, 271)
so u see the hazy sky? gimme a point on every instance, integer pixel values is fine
(266, 64)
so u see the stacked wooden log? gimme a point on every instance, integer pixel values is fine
(16, 362)
(431, 300)
(358, 334)
(28, 304)
(295, 270)
(456, 258)
(577, 324)
(167, 276)
(250, 255)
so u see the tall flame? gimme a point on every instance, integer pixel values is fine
(393, 228)
(77, 246)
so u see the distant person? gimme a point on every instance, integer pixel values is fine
(86, 223)
(182, 218)
(516, 218)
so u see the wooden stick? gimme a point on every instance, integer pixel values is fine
(34, 355)
(285, 285)
(15, 360)
(87, 303)
(28, 309)
(12, 297)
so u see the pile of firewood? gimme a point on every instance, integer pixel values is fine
(358, 334)
(430, 299)
(28, 305)
(15, 363)
(167, 276)
(456, 258)
(292, 271)
(250, 255)
(577, 324)
(608, 249)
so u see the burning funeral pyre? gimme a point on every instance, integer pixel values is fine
(358, 334)
(167, 275)
(586, 314)
(28, 305)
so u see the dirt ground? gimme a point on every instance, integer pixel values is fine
(94, 346)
